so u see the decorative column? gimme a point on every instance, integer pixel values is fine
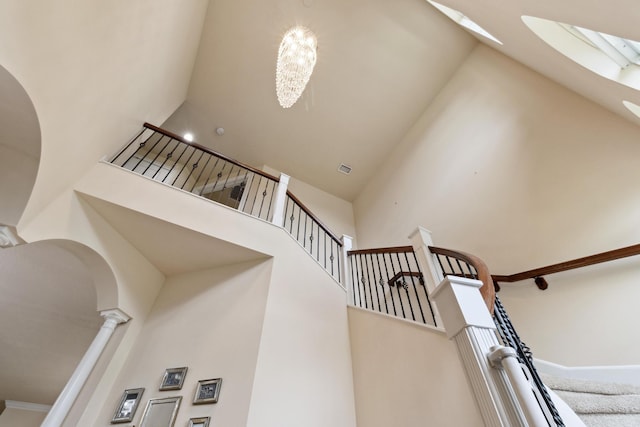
(69, 394)
(347, 245)
(469, 324)
(279, 203)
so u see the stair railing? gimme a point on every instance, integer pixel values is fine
(170, 159)
(461, 264)
(313, 235)
(389, 281)
(538, 273)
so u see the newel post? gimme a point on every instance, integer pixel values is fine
(347, 245)
(469, 324)
(280, 200)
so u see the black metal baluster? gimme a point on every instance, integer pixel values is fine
(143, 156)
(364, 284)
(406, 288)
(213, 169)
(195, 182)
(166, 158)
(386, 273)
(193, 167)
(193, 151)
(170, 155)
(353, 279)
(264, 194)
(424, 287)
(338, 260)
(156, 157)
(380, 280)
(415, 290)
(273, 190)
(126, 147)
(304, 233)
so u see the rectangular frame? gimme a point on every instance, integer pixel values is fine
(151, 418)
(173, 378)
(128, 405)
(207, 391)
(199, 422)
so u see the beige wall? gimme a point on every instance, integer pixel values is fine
(512, 167)
(95, 71)
(209, 321)
(303, 373)
(12, 417)
(407, 375)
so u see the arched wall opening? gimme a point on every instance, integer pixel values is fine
(19, 148)
(50, 294)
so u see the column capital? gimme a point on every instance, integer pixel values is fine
(115, 314)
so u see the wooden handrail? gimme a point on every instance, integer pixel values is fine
(315, 218)
(537, 273)
(392, 250)
(210, 151)
(487, 290)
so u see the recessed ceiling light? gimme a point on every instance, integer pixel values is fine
(463, 20)
(220, 131)
(345, 169)
(188, 136)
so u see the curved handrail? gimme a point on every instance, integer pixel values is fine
(315, 218)
(537, 273)
(482, 272)
(210, 151)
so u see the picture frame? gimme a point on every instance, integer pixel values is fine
(161, 412)
(199, 422)
(207, 391)
(128, 405)
(173, 378)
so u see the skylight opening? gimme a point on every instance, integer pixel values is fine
(614, 58)
(623, 51)
(464, 20)
(634, 108)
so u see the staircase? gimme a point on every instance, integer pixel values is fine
(599, 404)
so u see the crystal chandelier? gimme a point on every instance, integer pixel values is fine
(296, 59)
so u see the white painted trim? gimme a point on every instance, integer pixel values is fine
(623, 374)
(26, 406)
(437, 329)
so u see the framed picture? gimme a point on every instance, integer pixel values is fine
(173, 379)
(207, 391)
(161, 412)
(199, 422)
(127, 406)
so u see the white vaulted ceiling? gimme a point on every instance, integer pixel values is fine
(380, 63)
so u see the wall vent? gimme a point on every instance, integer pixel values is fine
(345, 169)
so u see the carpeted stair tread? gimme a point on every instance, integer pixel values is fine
(611, 420)
(590, 403)
(599, 404)
(587, 386)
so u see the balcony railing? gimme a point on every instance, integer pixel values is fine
(168, 158)
(389, 280)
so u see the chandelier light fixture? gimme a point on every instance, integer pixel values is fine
(296, 59)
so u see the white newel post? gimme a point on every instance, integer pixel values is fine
(421, 240)
(347, 245)
(469, 324)
(69, 394)
(281, 197)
